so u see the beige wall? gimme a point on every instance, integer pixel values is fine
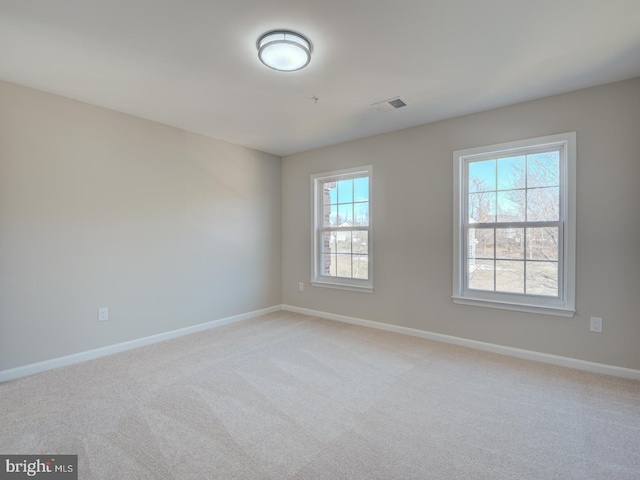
(413, 177)
(171, 229)
(97, 208)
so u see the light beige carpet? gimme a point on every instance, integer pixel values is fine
(288, 396)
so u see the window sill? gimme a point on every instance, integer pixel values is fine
(518, 307)
(341, 286)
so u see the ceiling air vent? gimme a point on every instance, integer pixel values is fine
(390, 104)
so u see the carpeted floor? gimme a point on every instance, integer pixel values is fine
(285, 396)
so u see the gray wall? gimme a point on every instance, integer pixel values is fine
(413, 177)
(97, 208)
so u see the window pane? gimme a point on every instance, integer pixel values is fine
(361, 266)
(543, 169)
(482, 176)
(343, 240)
(329, 242)
(483, 240)
(482, 207)
(542, 278)
(511, 173)
(329, 193)
(345, 191)
(542, 243)
(361, 214)
(511, 206)
(510, 243)
(328, 266)
(543, 204)
(480, 274)
(472, 242)
(361, 189)
(509, 276)
(344, 265)
(329, 216)
(360, 242)
(345, 215)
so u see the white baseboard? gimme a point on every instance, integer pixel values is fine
(33, 368)
(488, 347)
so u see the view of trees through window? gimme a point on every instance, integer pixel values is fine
(345, 228)
(513, 234)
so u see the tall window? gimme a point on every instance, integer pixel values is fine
(342, 229)
(515, 225)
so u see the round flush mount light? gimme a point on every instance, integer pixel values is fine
(284, 50)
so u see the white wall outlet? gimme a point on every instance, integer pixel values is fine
(301, 286)
(596, 324)
(103, 314)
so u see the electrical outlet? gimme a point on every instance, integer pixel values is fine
(103, 314)
(301, 286)
(596, 324)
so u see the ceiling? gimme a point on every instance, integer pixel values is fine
(193, 63)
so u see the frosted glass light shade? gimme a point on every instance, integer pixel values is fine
(284, 50)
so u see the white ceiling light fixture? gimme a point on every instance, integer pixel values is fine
(284, 50)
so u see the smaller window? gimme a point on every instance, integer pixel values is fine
(341, 224)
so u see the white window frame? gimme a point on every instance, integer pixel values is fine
(317, 279)
(564, 305)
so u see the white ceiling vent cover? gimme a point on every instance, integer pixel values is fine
(390, 104)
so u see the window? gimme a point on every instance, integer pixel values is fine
(342, 229)
(514, 225)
